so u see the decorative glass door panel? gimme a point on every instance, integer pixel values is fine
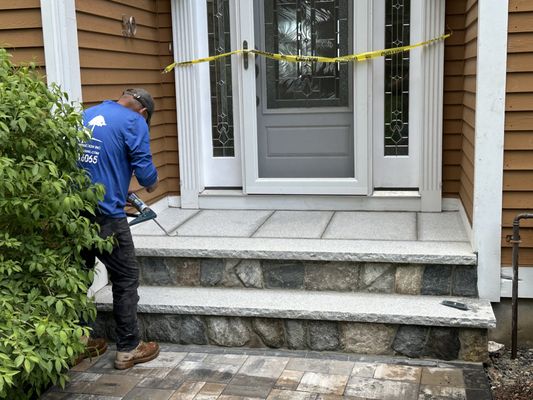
(218, 30)
(304, 110)
(397, 27)
(397, 86)
(306, 28)
(221, 151)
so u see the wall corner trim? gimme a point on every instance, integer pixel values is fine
(432, 121)
(186, 27)
(61, 53)
(489, 141)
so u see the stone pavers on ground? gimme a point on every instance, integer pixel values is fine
(207, 372)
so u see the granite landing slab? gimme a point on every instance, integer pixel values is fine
(295, 304)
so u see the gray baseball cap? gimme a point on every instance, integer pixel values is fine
(144, 98)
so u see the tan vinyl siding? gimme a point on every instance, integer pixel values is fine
(21, 30)
(466, 190)
(518, 153)
(111, 63)
(453, 98)
(459, 102)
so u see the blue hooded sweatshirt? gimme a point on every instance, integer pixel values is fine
(120, 146)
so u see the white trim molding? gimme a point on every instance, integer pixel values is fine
(525, 282)
(490, 119)
(187, 33)
(61, 53)
(189, 30)
(432, 117)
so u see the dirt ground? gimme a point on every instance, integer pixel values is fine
(511, 379)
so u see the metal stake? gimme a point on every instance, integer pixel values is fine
(515, 241)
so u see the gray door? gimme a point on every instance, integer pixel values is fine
(304, 110)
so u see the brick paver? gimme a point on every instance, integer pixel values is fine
(205, 373)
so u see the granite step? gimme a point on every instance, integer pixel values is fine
(379, 251)
(368, 323)
(330, 306)
(341, 276)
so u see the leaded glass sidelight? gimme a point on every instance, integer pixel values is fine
(218, 26)
(397, 25)
(307, 28)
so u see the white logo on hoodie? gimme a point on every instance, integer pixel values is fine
(97, 121)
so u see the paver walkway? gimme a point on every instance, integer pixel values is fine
(204, 373)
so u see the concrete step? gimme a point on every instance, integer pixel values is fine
(416, 326)
(341, 276)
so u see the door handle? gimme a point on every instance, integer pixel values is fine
(245, 58)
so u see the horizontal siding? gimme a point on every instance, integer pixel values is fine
(459, 102)
(21, 31)
(518, 146)
(111, 63)
(466, 190)
(453, 98)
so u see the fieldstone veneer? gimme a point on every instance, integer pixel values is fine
(465, 344)
(413, 279)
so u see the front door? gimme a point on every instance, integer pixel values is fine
(304, 110)
(313, 128)
(303, 138)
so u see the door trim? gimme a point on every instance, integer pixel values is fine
(189, 113)
(189, 105)
(61, 50)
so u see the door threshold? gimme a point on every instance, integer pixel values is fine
(396, 193)
(377, 193)
(379, 201)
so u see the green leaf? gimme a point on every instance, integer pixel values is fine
(59, 307)
(40, 330)
(19, 360)
(27, 365)
(58, 365)
(22, 124)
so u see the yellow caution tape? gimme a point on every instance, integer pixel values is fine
(292, 58)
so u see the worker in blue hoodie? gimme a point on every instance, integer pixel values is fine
(120, 147)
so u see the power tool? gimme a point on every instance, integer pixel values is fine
(145, 212)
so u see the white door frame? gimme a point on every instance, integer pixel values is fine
(191, 113)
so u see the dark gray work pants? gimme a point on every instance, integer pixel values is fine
(123, 273)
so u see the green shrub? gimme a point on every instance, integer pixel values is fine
(43, 286)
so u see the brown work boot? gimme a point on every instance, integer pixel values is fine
(144, 352)
(94, 347)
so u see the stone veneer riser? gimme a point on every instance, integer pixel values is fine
(413, 341)
(412, 279)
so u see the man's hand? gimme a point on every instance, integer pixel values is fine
(150, 189)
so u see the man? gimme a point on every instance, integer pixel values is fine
(120, 146)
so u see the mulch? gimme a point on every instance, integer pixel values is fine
(511, 379)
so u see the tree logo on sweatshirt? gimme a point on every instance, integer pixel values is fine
(97, 121)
